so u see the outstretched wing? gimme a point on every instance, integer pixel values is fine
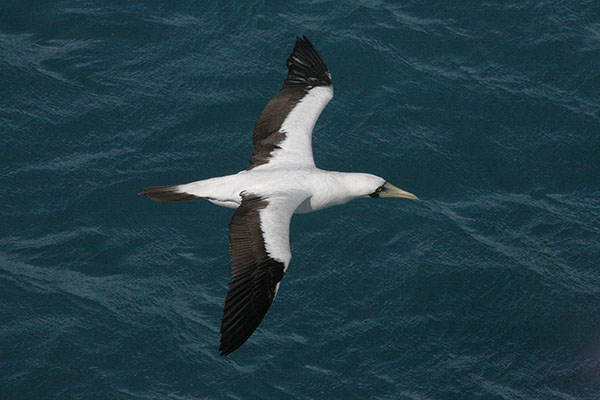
(283, 133)
(260, 253)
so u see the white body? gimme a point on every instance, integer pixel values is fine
(289, 191)
(321, 188)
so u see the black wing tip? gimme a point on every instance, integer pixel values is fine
(306, 67)
(223, 352)
(226, 350)
(303, 40)
(233, 339)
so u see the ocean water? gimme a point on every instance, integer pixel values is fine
(487, 288)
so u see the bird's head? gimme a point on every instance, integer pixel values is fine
(375, 186)
(389, 190)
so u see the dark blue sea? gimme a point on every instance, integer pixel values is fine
(487, 288)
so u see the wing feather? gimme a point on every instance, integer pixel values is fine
(283, 133)
(260, 254)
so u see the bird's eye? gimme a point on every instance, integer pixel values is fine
(379, 189)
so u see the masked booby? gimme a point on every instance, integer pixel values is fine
(282, 180)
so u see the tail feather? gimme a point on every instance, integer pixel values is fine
(167, 193)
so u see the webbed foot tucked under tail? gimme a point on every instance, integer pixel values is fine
(168, 193)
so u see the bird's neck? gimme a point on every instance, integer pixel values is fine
(335, 188)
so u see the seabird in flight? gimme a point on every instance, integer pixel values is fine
(282, 180)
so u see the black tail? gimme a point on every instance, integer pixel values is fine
(167, 193)
(306, 68)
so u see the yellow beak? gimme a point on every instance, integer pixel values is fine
(390, 190)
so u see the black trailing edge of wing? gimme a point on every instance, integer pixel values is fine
(306, 68)
(254, 275)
